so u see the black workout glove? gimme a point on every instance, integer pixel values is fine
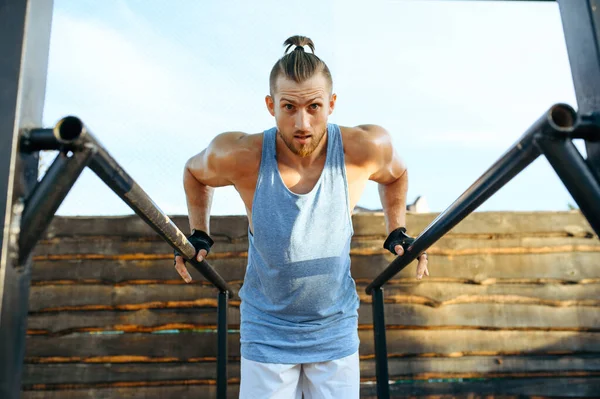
(398, 237)
(200, 240)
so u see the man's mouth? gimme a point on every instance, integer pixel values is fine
(302, 138)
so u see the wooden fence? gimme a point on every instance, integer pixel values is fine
(511, 309)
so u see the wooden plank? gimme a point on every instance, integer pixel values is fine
(518, 223)
(136, 347)
(490, 268)
(562, 267)
(117, 271)
(111, 246)
(70, 297)
(132, 226)
(487, 316)
(467, 316)
(501, 388)
(145, 320)
(198, 391)
(569, 222)
(34, 374)
(399, 368)
(401, 343)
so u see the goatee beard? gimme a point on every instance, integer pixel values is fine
(305, 149)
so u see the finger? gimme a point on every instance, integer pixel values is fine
(181, 269)
(399, 250)
(201, 255)
(421, 267)
(426, 271)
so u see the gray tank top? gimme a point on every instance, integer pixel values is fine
(299, 301)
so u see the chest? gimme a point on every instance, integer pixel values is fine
(300, 181)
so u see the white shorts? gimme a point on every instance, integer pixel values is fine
(324, 380)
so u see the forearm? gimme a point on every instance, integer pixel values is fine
(199, 201)
(393, 200)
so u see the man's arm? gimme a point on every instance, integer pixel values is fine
(390, 172)
(213, 167)
(392, 175)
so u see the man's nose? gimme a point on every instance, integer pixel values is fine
(302, 121)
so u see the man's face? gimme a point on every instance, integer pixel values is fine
(301, 111)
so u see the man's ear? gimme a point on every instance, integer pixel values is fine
(270, 104)
(332, 101)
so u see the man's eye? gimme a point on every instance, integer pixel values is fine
(314, 106)
(288, 106)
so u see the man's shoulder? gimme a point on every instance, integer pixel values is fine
(234, 154)
(236, 145)
(363, 143)
(238, 141)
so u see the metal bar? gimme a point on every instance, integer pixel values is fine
(48, 195)
(71, 134)
(40, 139)
(560, 118)
(222, 357)
(575, 175)
(381, 360)
(24, 46)
(581, 26)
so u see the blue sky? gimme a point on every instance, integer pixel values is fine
(455, 83)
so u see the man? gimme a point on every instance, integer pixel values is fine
(299, 181)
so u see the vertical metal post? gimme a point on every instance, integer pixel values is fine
(581, 25)
(381, 361)
(222, 308)
(24, 47)
(575, 174)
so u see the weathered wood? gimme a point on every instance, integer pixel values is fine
(510, 297)
(569, 222)
(486, 269)
(129, 347)
(567, 267)
(401, 343)
(57, 297)
(467, 316)
(117, 271)
(199, 391)
(501, 388)
(132, 226)
(114, 247)
(399, 368)
(98, 373)
(155, 319)
(488, 316)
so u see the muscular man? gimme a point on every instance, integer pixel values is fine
(299, 181)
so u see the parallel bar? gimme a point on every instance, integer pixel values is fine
(560, 118)
(222, 355)
(575, 175)
(24, 45)
(71, 134)
(581, 26)
(48, 195)
(381, 361)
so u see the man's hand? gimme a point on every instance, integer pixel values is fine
(202, 243)
(396, 242)
(421, 266)
(180, 265)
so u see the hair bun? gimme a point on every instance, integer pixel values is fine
(299, 42)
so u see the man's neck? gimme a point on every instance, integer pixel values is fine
(293, 160)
